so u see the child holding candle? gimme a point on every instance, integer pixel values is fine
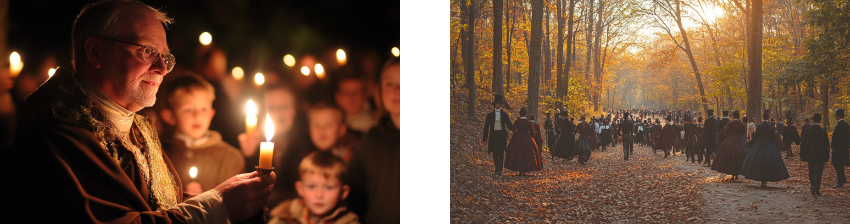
(328, 130)
(320, 189)
(188, 109)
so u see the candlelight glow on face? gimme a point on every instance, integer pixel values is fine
(51, 72)
(238, 73)
(305, 70)
(259, 79)
(289, 60)
(193, 172)
(320, 71)
(205, 38)
(396, 52)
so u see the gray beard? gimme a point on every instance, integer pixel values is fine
(131, 88)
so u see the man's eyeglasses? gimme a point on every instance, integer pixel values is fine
(151, 54)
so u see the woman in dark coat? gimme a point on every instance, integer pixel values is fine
(585, 142)
(538, 136)
(522, 154)
(764, 162)
(566, 141)
(733, 149)
(789, 135)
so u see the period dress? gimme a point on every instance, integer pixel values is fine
(566, 141)
(522, 153)
(584, 143)
(733, 149)
(763, 162)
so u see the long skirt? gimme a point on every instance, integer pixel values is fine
(523, 155)
(731, 154)
(583, 147)
(564, 146)
(764, 163)
(605, 137)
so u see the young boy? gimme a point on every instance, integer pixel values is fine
(320, 189)
(328, 130)
(188, 108)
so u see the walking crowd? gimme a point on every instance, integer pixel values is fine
(729, 145)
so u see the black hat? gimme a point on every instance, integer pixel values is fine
(766, 114)
(497, 99)
(710, 113)
(725, 113)
(736, 114)
(839, 112)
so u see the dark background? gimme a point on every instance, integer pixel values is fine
(255, 34)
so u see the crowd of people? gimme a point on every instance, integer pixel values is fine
(729, 144)
(128, 135)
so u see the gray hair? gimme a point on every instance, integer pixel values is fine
(101, 19)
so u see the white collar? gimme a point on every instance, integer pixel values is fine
(497, 109)
(521, 117)
(818, 124)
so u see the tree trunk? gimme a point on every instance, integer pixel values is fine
(470, 62)
(534, 57)
(559, 61)
(691, 56)
(570, 48)
(754, 48)
(509, 46)
(597, 47)
(589, 41)
(497, 48)
(547, 48)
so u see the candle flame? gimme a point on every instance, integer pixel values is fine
(396, 51)
(51, 72)
(269, 128)
(193, 172)
(320, 71)
(340, 54)
(205, 38)
(15, 57)
(305, 70)
(251, 109)
(238, 73)
(259, 79)
(289, 60)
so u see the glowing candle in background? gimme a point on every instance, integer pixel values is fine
(51, 72)
(289, 60)
(238, 73)
(205, 38)
(320, 71)
(193, 172)
(259, 79)
(340, 57)
(251, 120)
(16, 64)
(396, 52)
(267, 147)
(305, 70)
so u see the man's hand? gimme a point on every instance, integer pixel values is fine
(245, 194)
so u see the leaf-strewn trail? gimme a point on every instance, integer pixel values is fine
(647, 188)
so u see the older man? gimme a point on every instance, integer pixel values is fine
(82, 155)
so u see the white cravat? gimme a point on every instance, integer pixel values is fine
(497, 124)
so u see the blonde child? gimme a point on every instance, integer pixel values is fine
(320, 191)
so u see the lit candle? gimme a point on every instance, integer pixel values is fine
(205, 38)
(267, 148)
(340, 57)
(238, 73)
(305, 70)
(289, 60)
(259, 79)
(251, 120)
(320, 71)
(15, 65)
(396, 51)
(193, 172)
